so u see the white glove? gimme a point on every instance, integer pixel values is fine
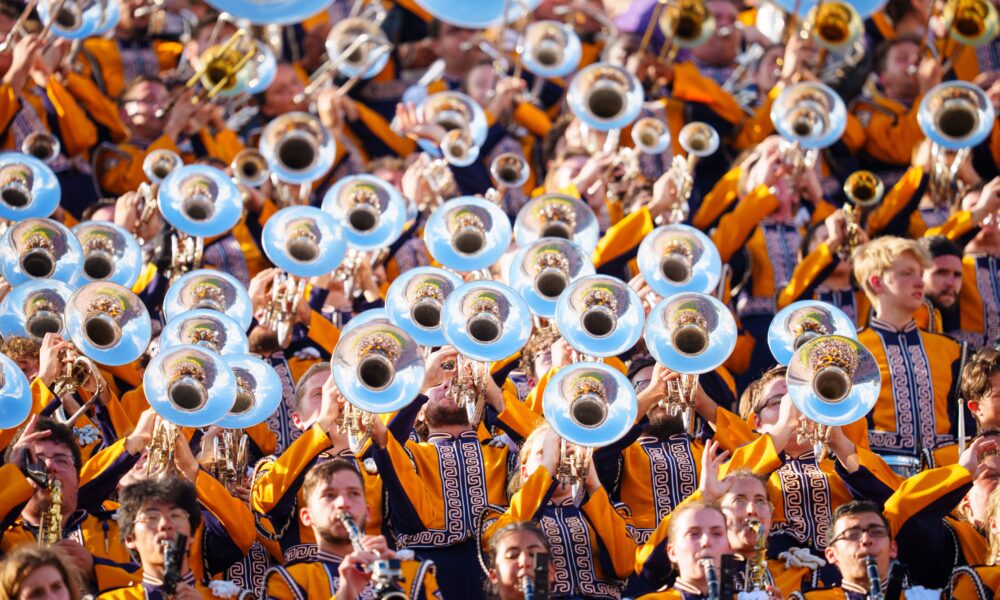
(801, 557)
(224, 589)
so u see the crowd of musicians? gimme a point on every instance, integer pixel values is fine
(506, 299)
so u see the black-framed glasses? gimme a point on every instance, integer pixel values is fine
(854, 534)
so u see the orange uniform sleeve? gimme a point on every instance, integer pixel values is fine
(516, 415)
(276, 479)
(623, 236)
(612, 531)
(717, 201)
(805, 275)
(892, 131)
(231, 511)
(692, 86)
(323, 332)
(919, 491)
(100, 108)
(9, 105)
(77, 132)
(896, 200)
(736, 227)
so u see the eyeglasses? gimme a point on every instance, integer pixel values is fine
(177, 516)
(640, 384)
(853, 534)
(62, 461)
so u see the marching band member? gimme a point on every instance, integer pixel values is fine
(158, 519)
(336, 510)
(919, 369)
(518, 559)
(943, 281)
(980, 581)
(980, 387)
(38, 572)
(592, 548)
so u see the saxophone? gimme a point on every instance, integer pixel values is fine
(756, 570)
(50, 526)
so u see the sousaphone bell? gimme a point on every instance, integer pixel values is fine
(605, 97)
(190, 386)
(467, 234)
(415, 302)
(379, 369)
(558, 216)
(678, 258)
(40, 249)
(543, 269)
(600, 316)
(209, 288)
(272, 12)
(28, 188)
(810, 115)
(15, 394)
(110, 253)
(108, 323)
(372, 211)
(35, 308)
(205, 327)
(551, 49)
(298, 148)
(802, 321)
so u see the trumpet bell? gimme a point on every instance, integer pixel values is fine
(810, 114)
(971, 22)
(108, 323)
(208, 328)
(358, 63)
(476, 15)
(298, 147)
(557, 216)
(250, 168)
(864, 8)
(15, 394)
(543, 269)
(158, 164)
(486, 321)
(678, 258)
(110, 253)
(551, 49)
(651, 135)
(590, 404)
(600, 315)
(258, 391)
(691, 333)
(833, 380)
(373, 212)
(42, 145)
(467, 234)
(956, 115)
(200, 201)
(458, 148)
(40, 249)
(29, 188)
(864, 188)
(688, 23)
(272, 12)
(509, 170)
(35, 308)
(208, 288)
(605, 97)
(802, 321)
(699, 139)
(836, 25)
(415, 301)
(378, 367)
(304, 241)
(190, 386)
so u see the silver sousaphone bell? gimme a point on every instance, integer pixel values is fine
(208, 288)
(208, 328)
(372, 211)
(678, 258)
(110, 253)
(190, 386)
(467, 234)
(108, 323)
(600, 316)
(543, 269)
(35, 308)
(557, 216)
(28, 188)
(802, 321)
(40, 249)
(415, 301)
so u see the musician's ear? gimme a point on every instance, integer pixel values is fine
(306, 516)
(876, 284)
(892, 549)
(831, 556)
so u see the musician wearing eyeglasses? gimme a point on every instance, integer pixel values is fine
(158, 518)
(861, 546)
(914, 420)
(592, 549)
(348, 564)
(41, 502)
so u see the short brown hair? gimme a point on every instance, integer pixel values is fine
(977, 374)
(752, 400)
(856, 507)
(322, 472)
(25, 559)
(879, 255)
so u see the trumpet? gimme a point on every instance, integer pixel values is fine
(77, 371)
(651, 135)
(698, 140)
(379, 369)
(28, 187)
(250, 168)
(298, 148)
(221, 72)
(589, 405)
(864, 190)
(160, 163)
(689, 333)
(685, 24)
(833, 381)
(42, 145)
(508, 171)
(955, 116)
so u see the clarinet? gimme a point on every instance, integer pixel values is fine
(874, 581)
(712, 578)
(353, 531)
(173, 558)
(528, 586)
